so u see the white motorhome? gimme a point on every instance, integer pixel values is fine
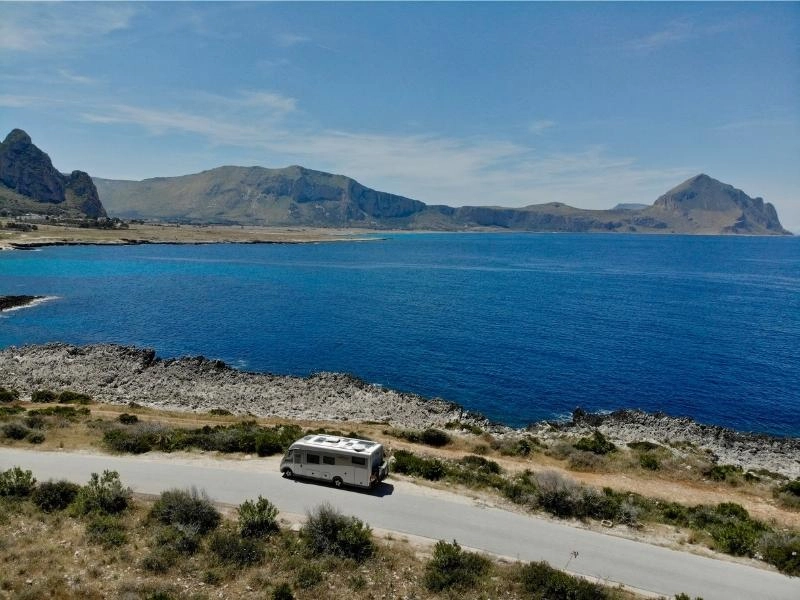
(340, 460)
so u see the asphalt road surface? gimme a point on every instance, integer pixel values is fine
(406, 508)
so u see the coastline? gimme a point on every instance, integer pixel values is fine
(52, 235)
(117, 374)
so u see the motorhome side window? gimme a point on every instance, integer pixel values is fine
(360, 460)
(312, 458)
(328, 460)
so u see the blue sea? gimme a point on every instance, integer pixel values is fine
(519, 327)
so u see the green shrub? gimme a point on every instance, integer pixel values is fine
(683, 596)
(35, 437)
(65, 412)
(70, 397)
(51, 496)
(257, 519)
(189, 509)
(783, 551)
(788, 494)
(308, 576)
(127, 419)
(521, 488)
(103, 494)
(10, 395)
(125, 440)
(232, 549)
(435, 437)
(723, 472)
(43, 396)
(178, 539)
(10, 411)
(452, 567)
(159, 560)
(219, 412)
(106, 530)
(16, 483)
(282, 592)
(35, 422)
(649, 461)
(15, 431)
(643, 446)
(327, 531)
(543, 582)
(410, 464)
(597, 443)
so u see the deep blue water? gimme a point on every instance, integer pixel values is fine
(520, 327)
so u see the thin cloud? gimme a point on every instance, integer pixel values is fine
(680, 31)
(32, 27)
(749, 124)
(539, 127)
(431, 167)
(287, 40)
(75, 78)
(675, 32)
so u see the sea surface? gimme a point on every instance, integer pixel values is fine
(519, 327)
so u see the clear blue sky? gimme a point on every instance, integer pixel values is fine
(453, 103)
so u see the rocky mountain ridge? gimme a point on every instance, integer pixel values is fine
(296, 196)
(30, 183)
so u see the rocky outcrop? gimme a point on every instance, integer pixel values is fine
(748, 450)
(121, 374)
(29, 173)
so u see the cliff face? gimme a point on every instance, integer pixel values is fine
(36, 186)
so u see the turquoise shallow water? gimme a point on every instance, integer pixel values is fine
(518, 326)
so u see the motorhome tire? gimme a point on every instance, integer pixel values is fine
(337, 482)
(288, 473)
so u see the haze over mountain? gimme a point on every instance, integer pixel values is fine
(296, 196)
(29, 183)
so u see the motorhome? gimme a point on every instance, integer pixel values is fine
(339, 460)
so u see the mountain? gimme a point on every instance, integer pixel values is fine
(296, 196)
(255, 195)
(712, 204)
(30, 184)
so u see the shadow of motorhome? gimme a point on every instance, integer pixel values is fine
(380, 490)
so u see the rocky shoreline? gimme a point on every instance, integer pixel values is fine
(10, 302)
(121, 374)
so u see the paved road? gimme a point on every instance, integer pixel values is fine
(417, 511)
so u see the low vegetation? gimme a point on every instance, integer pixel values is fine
(452, 567)
(430, 437)
(726, 527)
(327, 531)
(247, 437)
(158, 550)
